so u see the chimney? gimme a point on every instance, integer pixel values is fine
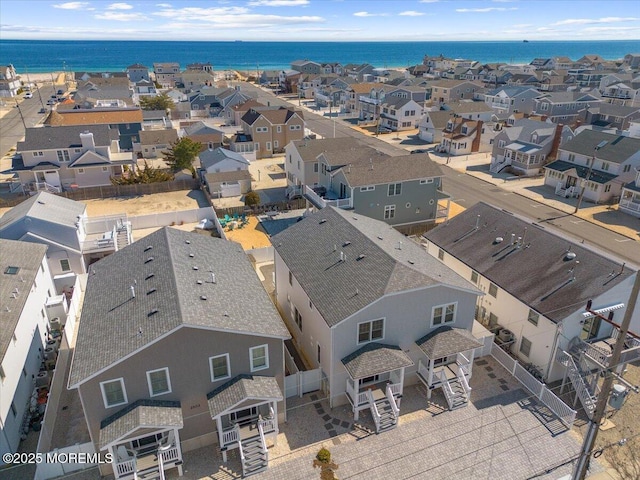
(475, 145)
(556, 143)
(88, 144)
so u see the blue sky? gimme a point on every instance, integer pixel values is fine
(320, 20)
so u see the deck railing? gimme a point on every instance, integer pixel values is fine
(374, 409)
(128, 467)
(231, 436)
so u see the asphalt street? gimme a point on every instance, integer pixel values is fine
(467, 190)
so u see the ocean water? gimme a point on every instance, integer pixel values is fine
(45, 56)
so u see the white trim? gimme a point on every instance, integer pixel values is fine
(266, 357)
(170, 332)
(124, 393)
(213, 379)
(608, 309)
(358, 342)
(166, 370)
(444, 312)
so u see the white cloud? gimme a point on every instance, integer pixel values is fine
(429, 1)
(586, 21)
(72, 5)
(229, 17)
(119, 6)
(367, 14)
(120, 16)
(411, 13)
(484, 10)
(163, 5)
(278, 3)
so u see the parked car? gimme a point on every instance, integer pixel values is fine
(60, 92)
(420, 150)
(28, 95)
(51, 101)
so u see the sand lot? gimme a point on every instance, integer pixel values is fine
(145, 204)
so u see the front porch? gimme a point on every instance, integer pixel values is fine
(143, 439)
(449, 364)
(245, 410)
(376, 382)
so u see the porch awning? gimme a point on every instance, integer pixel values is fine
(142, 414)
(241, 388)
(608, 309)
(445, 341)
(374, 359)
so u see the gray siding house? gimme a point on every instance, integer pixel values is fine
(179, 347)
(366, 306)
(403, 191)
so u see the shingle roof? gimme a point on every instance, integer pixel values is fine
(375, 170)
(140, 414)
(209, 158)
(94, 116)
(310, 149)
(374, 265)
(582, 171)
(228, 176)
(158, 137)
(50, 138)
(375, 359)
(48, 207)
(165, 277)
(278, 116)
(240, 388)
(538, 273)
(617, 150)
(445, 340)
(511, 91)
(468, 107)
(27, 257)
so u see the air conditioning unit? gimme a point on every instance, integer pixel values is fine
(42, 379)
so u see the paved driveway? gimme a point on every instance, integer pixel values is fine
(501, 434)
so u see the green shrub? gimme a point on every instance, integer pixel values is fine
(323, 455)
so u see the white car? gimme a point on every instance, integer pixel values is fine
(28, 95)
(51, 101)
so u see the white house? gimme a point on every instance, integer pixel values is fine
(25, 287)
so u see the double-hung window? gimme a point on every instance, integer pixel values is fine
(370, 331)
(159, 382)
(259, 357)
(219, 366)
(443, 314)
(113, 392)
(395, 189)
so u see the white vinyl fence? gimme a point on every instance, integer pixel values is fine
(303, 382)
(565, 413)
(66, 460)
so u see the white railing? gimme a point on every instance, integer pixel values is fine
(557, 406)
(630, 205)
(372, 101)
(374, 409)
(588, 401)
(340, 203)
(161, 463)
(392, 402)
(242, 459)
(268, 425)
(496, 167)
(594, 353)
(47, 187)
(231, 436)
(314, 197)
(263, 443)
(395, 388)
(360, 398)
(128, 467)
(528, 380)
(463, 381)
(169, 454)
(446, 388)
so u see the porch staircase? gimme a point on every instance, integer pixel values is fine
(456, 391)
(587, 394)
(385, 411)
(254, 455)
(123, 235)
(568, 192)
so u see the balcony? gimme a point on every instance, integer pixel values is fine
(326, 200)
(369, 100)
(630, 207)
(617, 94)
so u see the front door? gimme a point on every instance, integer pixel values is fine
(343, 190)
(571, 182)
(52, 178)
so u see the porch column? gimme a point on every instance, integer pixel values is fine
(114, 460)
(401, 385)
(176, 435)
(430, 379)
(471, 363)
(219, 425)
(275, 419)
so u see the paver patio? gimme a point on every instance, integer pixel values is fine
(502, 434)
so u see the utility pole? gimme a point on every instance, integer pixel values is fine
(584, 183)
(24, 124)
(580, 471)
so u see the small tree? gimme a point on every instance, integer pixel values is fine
(182, 153)
(146, 174)
(159, 102)
(251, 198)
(327, 467)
